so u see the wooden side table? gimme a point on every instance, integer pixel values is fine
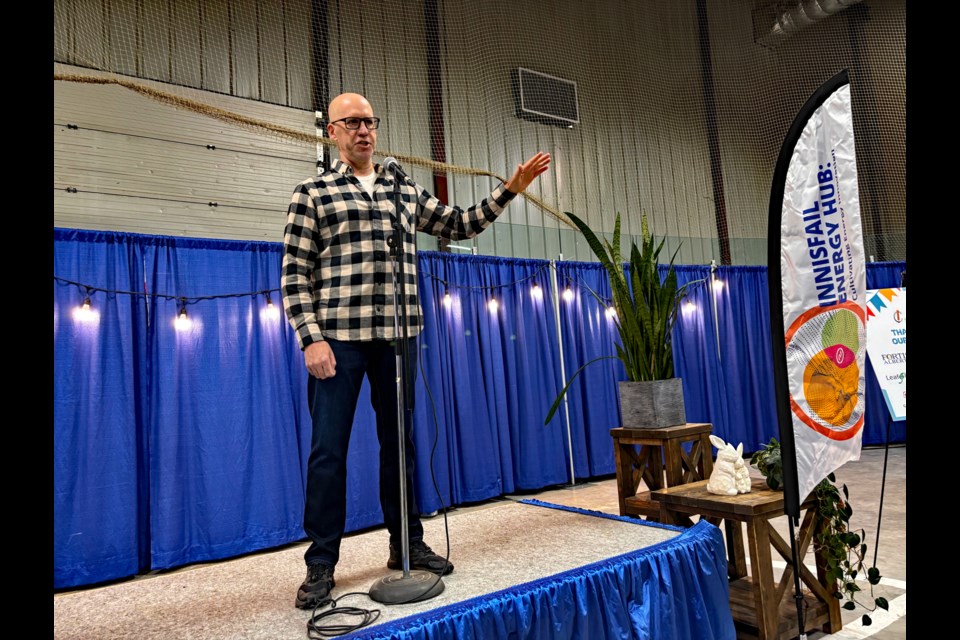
(761, 607)
(659, 452)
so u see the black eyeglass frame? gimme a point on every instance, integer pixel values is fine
(366, 121)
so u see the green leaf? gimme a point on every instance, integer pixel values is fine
(646, 306)
(882, 603)
(846, 494)
(849, 606)
(873, 575)
(556, 403)
(866, 621)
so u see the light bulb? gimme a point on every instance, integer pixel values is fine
(271, 311)
(611, 313)
(493, 305)
(718, 286)
(568, 294)
(689, 307)
(182, 323)
(447, 300)
(536, 291)
(85, 312)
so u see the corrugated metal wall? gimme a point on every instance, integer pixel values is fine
(619, 158)
(139, 165)
(142, 166)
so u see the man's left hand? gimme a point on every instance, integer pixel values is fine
(527, 172)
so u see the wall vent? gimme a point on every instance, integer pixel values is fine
(545, 99)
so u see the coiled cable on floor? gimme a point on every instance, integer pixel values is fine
(315, 631)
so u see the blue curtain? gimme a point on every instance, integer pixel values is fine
(177, 446)
(226, 421)
(696, 359)
(593, 398)
(100, 503)
(491, 374)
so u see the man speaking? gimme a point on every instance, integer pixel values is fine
(338, 296)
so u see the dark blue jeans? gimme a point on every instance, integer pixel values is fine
(333, 403)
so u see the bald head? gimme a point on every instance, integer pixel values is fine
(349, 104)
(356, 146)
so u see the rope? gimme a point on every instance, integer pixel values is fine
(297, 136)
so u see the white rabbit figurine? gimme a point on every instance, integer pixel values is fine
(743, 472)
(730, 474)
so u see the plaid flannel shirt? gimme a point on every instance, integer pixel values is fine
(337, 277)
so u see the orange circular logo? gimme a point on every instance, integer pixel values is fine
(825, 359)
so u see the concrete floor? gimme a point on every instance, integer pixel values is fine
(864, 480)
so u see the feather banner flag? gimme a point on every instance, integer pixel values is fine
(817, 283)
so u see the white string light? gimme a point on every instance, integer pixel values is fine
(536, 292)
(493, 305)
(568, 293)
(611, 313)
(182, 322)
(85, 312)
(447, 300)
(717, 286)
(272, 312)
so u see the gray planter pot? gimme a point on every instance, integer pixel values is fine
(652, 404)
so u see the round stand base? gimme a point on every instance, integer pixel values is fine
(399, 589)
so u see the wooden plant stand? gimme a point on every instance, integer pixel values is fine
(761, 608)
(659, 453)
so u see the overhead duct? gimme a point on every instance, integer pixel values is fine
(775, 22)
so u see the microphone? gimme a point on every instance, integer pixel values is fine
(390, 164)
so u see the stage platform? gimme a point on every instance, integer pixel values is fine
(525, 569)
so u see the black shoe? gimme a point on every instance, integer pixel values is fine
(422, 557)
(316, 587)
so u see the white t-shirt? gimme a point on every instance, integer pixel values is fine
(367, 182)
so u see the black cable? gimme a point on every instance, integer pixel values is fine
(90, 288)
(209, 203)
(487, 286)
(446, 525)
(335, 630)
(433, 476)
(316, 630)
(202, 145)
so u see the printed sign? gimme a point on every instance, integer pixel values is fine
(887, 345)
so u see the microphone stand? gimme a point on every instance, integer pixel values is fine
(406, 586)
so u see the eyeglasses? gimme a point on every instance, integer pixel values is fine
(352, 124)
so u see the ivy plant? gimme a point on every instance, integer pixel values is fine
(843, 550)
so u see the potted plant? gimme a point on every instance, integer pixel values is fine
(646, 309)
(843, 550)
